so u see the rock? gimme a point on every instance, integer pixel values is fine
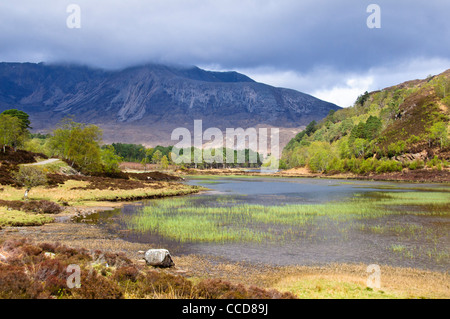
(411, 157)
(159, 258)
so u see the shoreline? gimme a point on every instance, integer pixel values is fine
(400, 282)
(403, 282)
(420, 176)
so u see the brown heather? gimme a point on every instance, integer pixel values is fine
(30, 271)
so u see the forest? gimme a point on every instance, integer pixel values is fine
(405, 126)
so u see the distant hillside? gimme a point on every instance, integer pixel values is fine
(403, 126)
(144, 104)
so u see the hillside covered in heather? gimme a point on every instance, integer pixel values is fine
(403, 127)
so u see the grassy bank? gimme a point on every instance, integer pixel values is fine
(91, 192)
(74, 192)
(10, 217)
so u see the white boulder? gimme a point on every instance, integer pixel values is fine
(158, 258)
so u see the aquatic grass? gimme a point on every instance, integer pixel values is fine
(418, 198)
(397, 248)
(377, 229)
(405, 188)
(409, 229)
(438, 255)
(173, 202)
(190, 220)
(402, 250)
(415, 203)
(429, 203)
(192, 227)
(224, 218)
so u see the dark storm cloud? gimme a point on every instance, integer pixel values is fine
(282, 35)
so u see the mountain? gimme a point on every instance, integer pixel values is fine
(403, 126)
(144, 104)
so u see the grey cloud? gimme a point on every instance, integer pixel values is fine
(235, 34)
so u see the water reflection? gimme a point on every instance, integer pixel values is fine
(400, 239)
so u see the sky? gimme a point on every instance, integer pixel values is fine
(332, 49)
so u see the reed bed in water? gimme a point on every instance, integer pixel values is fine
(197, 219)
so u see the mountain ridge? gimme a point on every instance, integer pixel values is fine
(145, 102)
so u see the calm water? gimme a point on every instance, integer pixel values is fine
(421, 241)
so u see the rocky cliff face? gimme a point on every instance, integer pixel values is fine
(144, 104)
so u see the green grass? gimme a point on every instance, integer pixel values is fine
(319, 288)
(398, 248)
(69, 192)
(193, 220)
(438, 255)
(186, 228)
(402, 250)
(19, 218)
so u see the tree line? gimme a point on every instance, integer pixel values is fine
(81, 146)
(76, 143)
(164, 156)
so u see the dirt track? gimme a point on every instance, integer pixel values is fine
(48, 161)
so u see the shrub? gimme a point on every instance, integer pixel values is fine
(413, 139)
(320, 155)
(220, 289)
(153, 282)
(28, 272)
(29, 177)
(126, 273)
(438, 134)
(52, 273)
(352, 165)
(416, 164)
(397, 148)
(15, 284)
(111, 259)
(48, 207)
(368, 165)
(96, 286)
(335, 166)
(435, 162)
(41, 206)
(389, 166)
